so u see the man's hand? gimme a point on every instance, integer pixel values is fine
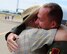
(11, 43)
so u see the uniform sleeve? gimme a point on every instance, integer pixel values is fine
(42, 37)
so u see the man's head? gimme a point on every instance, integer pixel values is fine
(49, 16)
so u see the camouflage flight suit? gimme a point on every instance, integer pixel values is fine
(58, 47)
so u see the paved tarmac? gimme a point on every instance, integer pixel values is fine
(5, 26)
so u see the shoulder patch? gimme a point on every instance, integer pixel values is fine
(54, 51)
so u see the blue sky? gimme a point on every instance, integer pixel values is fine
(11, 5)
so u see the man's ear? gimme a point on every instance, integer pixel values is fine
(53, 24)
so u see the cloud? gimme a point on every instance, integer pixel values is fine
(64, 0)
(64, 7)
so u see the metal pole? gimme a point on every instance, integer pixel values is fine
(17, 6)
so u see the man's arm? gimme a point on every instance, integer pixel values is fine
(61, 34)
(59, 46)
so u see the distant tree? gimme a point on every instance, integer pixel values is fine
(66, 24)
(6, 11)
(19, 13)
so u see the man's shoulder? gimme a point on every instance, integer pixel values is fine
(61, 34)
